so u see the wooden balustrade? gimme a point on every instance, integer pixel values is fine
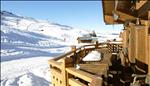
(84, 77)
(85, 47)
(62, 68)
(58, 73)
(74, 82)
(114, 48)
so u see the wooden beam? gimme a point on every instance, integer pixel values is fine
(108, 6)
(55, 64)
(125, 17)
(144, 9)
(73, 82)
(123, 10)
(81, 74)
(109, 20)
(140, 4)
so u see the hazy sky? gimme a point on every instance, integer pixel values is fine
(79, 14)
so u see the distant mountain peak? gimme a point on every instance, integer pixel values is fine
(10, 14)
(65, 26)
(6, 13)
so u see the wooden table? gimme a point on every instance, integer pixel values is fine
(96, 69)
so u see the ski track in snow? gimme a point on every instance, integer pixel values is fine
(28, 68)
(20, 70)
(28, 65)
(27, 72)
(27, 45)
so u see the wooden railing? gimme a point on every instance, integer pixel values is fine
(58, 76)
(63, 72)
(82, 78)
(82, 48)
(114, 48)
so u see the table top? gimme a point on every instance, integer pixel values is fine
(96, 69)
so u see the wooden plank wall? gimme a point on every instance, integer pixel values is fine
(149, 42)
(149, 54)
(141, 43)
(138, 43)
(132, 43)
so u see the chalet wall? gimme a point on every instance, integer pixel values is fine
(141, 43)
(132, 43)
(138, 42)
(149, 53)
(149, 45)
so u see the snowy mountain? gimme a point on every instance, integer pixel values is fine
(32, 26)
(27, 44)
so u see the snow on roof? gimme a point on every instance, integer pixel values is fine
(93, 56)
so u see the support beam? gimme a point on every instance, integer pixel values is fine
(140, 4)
(144, 9)
(125, 17)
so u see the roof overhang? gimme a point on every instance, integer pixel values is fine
(125, 11)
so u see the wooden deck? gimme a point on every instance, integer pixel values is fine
(98, 73)
(64, 72)
(106, 56)
(95, 69)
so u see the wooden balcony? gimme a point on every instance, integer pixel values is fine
(64, 72)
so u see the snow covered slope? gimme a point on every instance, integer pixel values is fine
(26, 46)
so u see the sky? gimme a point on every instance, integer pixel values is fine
(78, 14)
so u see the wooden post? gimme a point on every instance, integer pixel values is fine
(132, 42)
(74, 58)
(96, 45)
(64, 79)
(73, 48)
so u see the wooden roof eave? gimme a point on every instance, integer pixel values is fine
(124, 13)
(123, 17)
(109, 7)
(108, 19)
